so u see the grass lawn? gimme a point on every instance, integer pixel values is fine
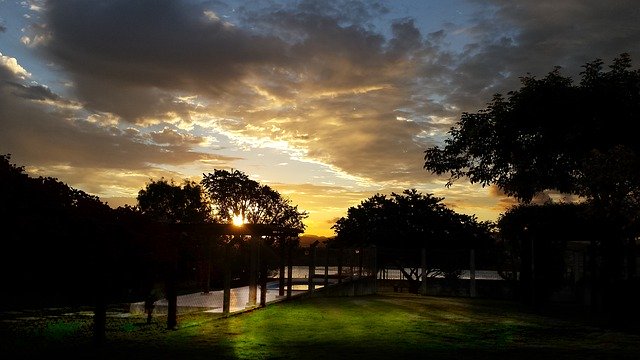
(391, 326)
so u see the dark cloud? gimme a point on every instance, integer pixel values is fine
(513, 38)
(325, 54)
(48, 134)
(32, 92)
(168, 44)
(345, 12)
(125, 56)
(406, 37)
(134, 46)
(132, 103)
(174, 137)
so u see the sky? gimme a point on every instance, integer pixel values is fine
(327, 102)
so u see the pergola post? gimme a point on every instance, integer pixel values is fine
(226, 292)
(281, 266)
(172, 298)
(263, 278)
(253, 269)
(99, 316)
(207, 284)
(254, 230)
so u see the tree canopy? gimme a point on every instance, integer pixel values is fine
(410, 220)
(167, 202)
(552, 134)
(545, 230)
(234, 194)
(57, 240)
(404, 224)
(574, 138)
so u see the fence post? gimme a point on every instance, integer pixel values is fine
(340, 251)
(360, 253)
(375, 269)
(326, 265)
(423, 264)
(312, 264)
(289, 268)
(352, 274)
(472, 273)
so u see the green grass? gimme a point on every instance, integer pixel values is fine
(396, 326)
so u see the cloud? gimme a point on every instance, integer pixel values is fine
(513, 38)
(322, 80)
(173, 137)
(143, 49)
(32, 92)
(11, 65)
(333, 79)
(49, 133)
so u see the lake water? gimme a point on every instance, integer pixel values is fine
(302, 272)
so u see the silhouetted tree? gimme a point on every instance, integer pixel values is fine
(53, 236)
(552, 134)
(534, 239)
(408, 222)
(175, 252)
(166, 202)
(61, 246)
(233, 193)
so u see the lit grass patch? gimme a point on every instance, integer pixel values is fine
(366, 323)
(61, 330)
(395, 326)
(128, 327)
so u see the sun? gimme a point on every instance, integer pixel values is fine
(237, 220)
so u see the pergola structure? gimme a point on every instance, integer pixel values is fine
(244, 229)
(255, 232)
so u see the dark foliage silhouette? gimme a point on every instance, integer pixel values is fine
(166, 202)
(577, 139)
(552, 134)
(409, 222)
(233, 193)
(59, 243)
